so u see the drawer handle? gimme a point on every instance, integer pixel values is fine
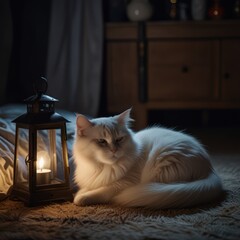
(185, 69)
(226, 75)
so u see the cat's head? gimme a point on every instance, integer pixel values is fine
(105, 140)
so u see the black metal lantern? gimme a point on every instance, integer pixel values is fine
(41, 171)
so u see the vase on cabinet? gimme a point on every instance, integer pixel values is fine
(139, 10)
(198, 10)
(216, 11)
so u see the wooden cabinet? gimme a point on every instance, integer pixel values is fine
(189, 65)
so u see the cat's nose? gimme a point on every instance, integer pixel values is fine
(113, 149)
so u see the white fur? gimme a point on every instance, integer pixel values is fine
(154, 168)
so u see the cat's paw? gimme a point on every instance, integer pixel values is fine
(80, 200)
(83, 200)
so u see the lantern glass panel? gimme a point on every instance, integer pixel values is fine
(50, 164)
(22, 157)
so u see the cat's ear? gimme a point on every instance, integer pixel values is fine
(82, 123)
(124, 118)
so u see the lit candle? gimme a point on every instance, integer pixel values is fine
(43, 175)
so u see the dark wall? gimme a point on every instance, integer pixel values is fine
(30, 27)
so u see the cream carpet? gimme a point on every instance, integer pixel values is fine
(67, 221)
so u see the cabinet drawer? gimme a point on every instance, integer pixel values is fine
(121, 74)
(182, 70)
(230, 69)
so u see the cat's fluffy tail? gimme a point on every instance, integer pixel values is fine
(175, 195)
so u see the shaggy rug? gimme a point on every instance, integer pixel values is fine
(67, 221)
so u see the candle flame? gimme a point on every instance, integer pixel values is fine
(41, 163)
(43, 160)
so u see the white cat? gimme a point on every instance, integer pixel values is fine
(153, 168)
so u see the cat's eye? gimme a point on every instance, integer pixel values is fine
(101, 141)
(120, 139)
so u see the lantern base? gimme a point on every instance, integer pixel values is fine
(41, 196)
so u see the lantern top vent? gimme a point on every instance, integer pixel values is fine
(40, 107)
(40, 103)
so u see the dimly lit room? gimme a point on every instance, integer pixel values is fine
(120, 119)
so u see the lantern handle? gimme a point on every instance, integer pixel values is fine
(27, 160)
(40, 86)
